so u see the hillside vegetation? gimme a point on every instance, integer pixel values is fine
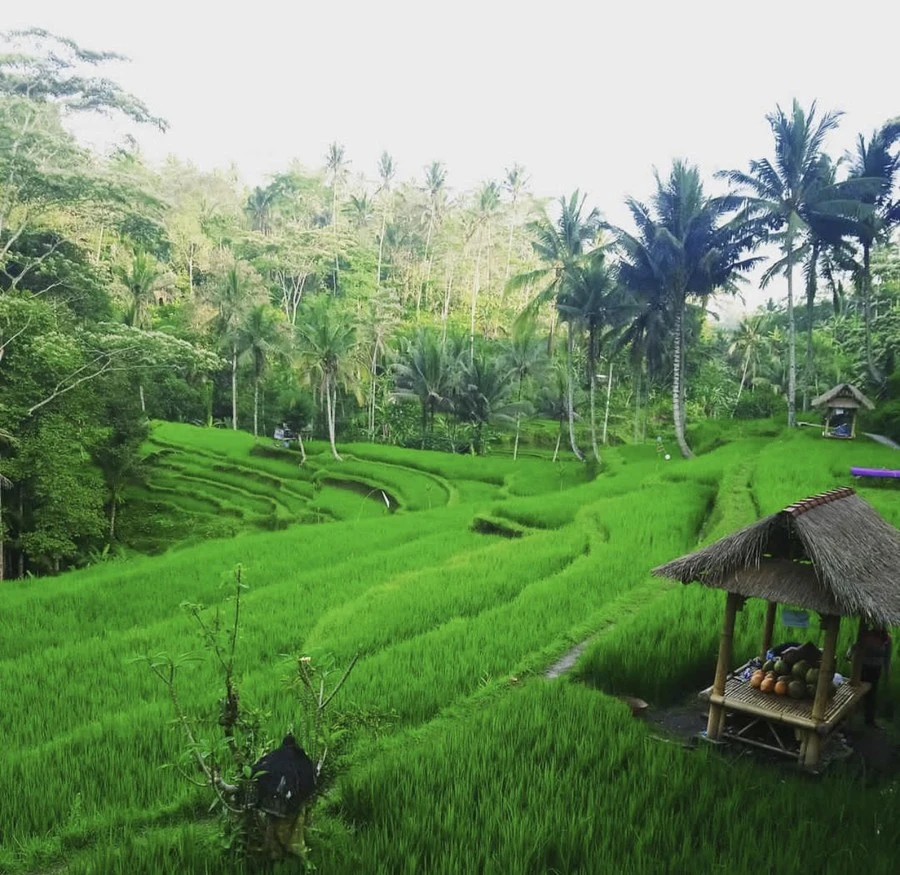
(461, 756)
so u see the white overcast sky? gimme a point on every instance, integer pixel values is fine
(587, 95)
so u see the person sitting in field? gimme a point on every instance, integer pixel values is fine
(876, 658)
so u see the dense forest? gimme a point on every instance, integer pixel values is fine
(360, 300)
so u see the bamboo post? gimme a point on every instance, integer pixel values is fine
(768, 629)
(832, 624)
(857, 664)
(716, 711)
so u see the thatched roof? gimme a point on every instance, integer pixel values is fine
(842, 395)
(831, 553)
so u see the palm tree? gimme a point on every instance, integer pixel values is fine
(327, 339)
(781, 193)
(525, 358)
(261, 336)
(435, 189)
(874, 161)
(336, 166)
(593, 301)
(425, 372)
(514, 183)
(232, 297)
(483, 395)
(359, 210)
(488, 201)
(749, 342)
(143, 278)
(383, 316)
(139, 277)
(561, 246)
(387, 170)
(684, 247)
(553, 402)
(259, 207)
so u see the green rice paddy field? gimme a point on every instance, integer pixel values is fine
(463, 757)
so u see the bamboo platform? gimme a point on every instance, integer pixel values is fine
(740, 696)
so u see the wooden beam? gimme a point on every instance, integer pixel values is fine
(772, 716)
(857, 664)
(832, 625)
(716, 711)
(771, 607)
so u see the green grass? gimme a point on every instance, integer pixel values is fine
(478, 764)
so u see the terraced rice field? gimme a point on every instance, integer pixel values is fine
(461, 756)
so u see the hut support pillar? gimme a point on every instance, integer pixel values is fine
(768, 629)
(823, 688)
(717, 712)
(856, 670)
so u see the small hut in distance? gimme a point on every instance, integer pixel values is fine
(831, 553)
(839, 407)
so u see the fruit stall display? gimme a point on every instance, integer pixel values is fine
(795, 673)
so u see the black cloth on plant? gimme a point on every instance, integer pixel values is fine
(285, 779)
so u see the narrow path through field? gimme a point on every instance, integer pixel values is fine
(567, 660)
(882, 439)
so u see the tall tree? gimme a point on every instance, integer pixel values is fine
(232, 296)
(779, 193)
(514, 183)
(261, 336)
(435, 191)
(386, 173)
(684, 247)
(326, 342)
(878, 161)
(336, 164)
(561, 247)
(486, 206)
(425, 371)
(593, 300)
(525, 357)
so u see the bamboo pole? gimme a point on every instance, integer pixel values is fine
(832, 624)
(857, 664)
(771, 607)
(717, 711)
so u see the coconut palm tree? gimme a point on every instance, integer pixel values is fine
(359, 210)
(387, 170)
(561, 246)
(876, 161)
(780, 193)
(336, 164)
(483, 394)
(684, 247)
(750, 341)
(425, 371)
(593, 300)
(261, 336)
(144, 279)
(326, 339)
(435, 190)
(232, 296)
(486, 206)
(514, 183)
(525, 358)
(553, 401)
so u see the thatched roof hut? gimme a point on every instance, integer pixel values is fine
(843, 395)
(831, 553)
(839, 407)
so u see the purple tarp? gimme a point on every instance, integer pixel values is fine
(874, 472)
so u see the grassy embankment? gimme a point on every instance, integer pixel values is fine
(479, 764)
